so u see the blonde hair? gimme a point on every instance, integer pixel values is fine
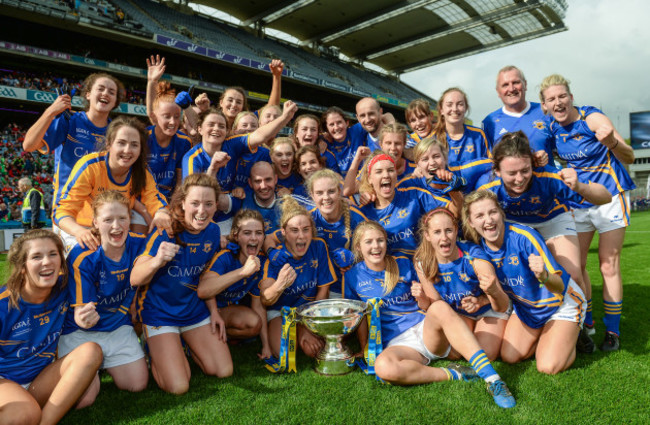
(108, 197)
(365, 185)
(553, 80)
(468, 231)
(282, 141)
(240, 116)
(425, 144)
(425, 254)
(391, 276)
(290, 209)
(17, 258)
(344, 204)
(393, 128)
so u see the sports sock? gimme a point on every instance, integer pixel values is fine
(483, 367)
(452, 375)
(589, 318)
(612, 317)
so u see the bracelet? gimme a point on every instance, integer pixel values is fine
(548, 276)
(614, 147)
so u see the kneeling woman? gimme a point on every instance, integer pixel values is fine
(101, 294)
(549, 307)
(412, 338)
(460, 273)
(234, 273)
(298, 272)
(34, 387)
(169, 270)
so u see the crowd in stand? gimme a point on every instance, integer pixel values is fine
(51, 83)
(16, 163)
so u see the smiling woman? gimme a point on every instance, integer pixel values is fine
(120, 166)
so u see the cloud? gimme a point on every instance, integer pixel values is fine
(605, 54)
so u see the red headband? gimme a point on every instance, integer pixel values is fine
(439, 210)
(380, 157)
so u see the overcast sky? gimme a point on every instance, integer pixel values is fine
(605, 54)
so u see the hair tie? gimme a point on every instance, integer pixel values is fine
(380, 157)
(439, 210)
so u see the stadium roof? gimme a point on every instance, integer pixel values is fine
(403, 35)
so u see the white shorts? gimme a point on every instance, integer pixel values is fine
(604, 218)
(491, 313)
(69, 241)
(150, 331)
(136, 218)
(272, 314)
(412, 338)
(335, 295)
(574, 306)
(119, 347)
(25, 386)
(561, 225)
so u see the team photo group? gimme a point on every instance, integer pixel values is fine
(174, 239)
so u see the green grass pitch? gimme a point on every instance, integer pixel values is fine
(597, 389)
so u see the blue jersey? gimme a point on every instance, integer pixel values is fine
(271, 214)
(224, 262)
(96, 278)
(246, 162)
(291, 182)
(546, 198)
(335, 236)
(313, 271)
(532, 121)
(170, 298)
(472, 146)
(399, 311)
(197, 160)
(29, 335)
(70, 140)
(344, 151)
(400, 218)
(471, 171)
(413, 139)
(459, 280)
(166, 163)
(533, 303)
(579, 147)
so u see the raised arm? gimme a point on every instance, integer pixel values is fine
(211, 284)
(595, 193)
(608, 136)
(145, 267)
(351, 185)
(155, 69)
(271, 289)
(270, 130)
(36, 133)
(276, 66)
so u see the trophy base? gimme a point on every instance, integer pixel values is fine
(333, 367)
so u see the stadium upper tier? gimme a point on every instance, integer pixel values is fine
(399, 35)
(150, 19)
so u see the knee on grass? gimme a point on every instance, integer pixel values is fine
(551, 366)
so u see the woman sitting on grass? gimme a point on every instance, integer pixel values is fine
(101, 294)
(297, 272)
(549, 307)
(168, 305)
(34, 387)
(411, 337)
(460, 273)
(234, 273)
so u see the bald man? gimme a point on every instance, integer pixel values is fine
(372, 118)
(263, 198)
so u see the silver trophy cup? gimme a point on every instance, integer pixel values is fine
(332, 319)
